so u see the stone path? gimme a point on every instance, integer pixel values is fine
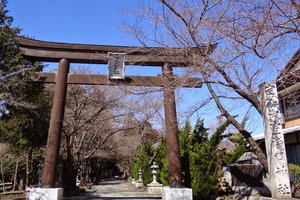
(116, 190)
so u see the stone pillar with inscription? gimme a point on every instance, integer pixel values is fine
(275, 146)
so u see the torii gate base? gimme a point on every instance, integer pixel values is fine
(177, 194)
(44, 193)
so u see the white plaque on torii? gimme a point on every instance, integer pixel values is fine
(116, 65)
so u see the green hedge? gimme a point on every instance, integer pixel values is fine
(295, 174)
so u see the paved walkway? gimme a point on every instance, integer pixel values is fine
(116, 190)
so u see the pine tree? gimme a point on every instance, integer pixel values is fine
(142, 161)
(241, 146)
(24, 106)
(162, 162)
(205, 161)
(185, 148)
(201, 158)
(15, 87)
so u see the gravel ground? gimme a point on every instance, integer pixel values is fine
(116, 190)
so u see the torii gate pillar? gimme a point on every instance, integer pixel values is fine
(174, 178)
(56, 122)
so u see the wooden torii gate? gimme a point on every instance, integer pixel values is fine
(66, 53)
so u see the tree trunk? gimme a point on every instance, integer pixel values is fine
(129, 168)
(2, 177)
(21, 184)
(69, 175)
(28, 167)
(69, 170)
(15, 187)
(83, 180)
(255, 148)
(187, 170)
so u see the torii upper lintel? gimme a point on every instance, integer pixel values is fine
(97, 54)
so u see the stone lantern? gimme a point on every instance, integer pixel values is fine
(154, 167)
(154, 187)
(139, 182)
(140, 175)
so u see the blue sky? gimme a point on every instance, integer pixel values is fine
(91, 22)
